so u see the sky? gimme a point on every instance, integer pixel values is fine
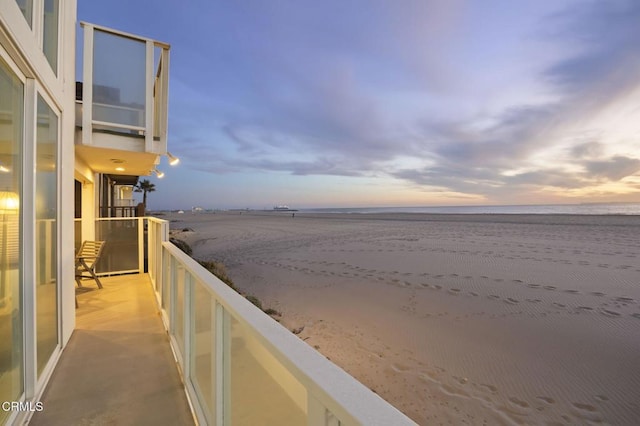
(349, 103)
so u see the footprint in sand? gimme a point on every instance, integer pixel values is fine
(609, 313)
(549, 287)
(451, 391)
(547, 399)
(602, 398)
(636, 315)
(454, 291)
(597, 293)
(493, 296)
(520, 403)
(586, 411)
(490, 388)
(511, 301)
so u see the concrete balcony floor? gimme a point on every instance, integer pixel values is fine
(118, 368)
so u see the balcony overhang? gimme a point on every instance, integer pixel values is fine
(112, 161)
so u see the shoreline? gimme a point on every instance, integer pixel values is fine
(498, 318)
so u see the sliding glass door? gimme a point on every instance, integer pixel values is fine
(11, 141)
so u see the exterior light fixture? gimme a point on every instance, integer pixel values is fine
(4, 169)
(120, 169)
(158, 173)
(172, 159)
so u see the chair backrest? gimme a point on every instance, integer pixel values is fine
(90, 250)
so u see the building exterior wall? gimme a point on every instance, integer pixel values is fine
(39, 49)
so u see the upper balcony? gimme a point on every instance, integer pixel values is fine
(121, 103)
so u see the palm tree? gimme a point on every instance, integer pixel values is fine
(144, 186)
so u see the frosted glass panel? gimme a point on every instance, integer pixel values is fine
(203, 355)
(46, 235)
(179, 308)
(11, 338)
(119, 65)
(260, 381)
(120, 252)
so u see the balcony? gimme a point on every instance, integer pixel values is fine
(238, 365)
(117, 368)
(121, 104)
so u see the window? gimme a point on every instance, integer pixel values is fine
(50, 39)
(11, 337)
(26, 6)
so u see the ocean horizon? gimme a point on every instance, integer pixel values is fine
(568, 209)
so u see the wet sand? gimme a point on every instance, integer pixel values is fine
(454, 319)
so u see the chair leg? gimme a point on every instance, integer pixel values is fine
(95, 277)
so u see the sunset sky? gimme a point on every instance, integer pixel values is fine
(394, 103)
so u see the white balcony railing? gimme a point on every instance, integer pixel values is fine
(241, 366)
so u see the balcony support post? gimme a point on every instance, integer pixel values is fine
(141, 245)
(87, 86)
(149, 107)
(222, 370)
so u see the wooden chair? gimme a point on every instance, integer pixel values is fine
(86, 260)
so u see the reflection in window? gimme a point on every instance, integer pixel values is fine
(119, 79)
(26, 6)
(50, 41)
(11, 339)
(46, 235)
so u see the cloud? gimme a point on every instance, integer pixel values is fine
(614, 169)
(308, 91)
(605, 35)
(587, 150)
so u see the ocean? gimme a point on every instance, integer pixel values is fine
(573, 209)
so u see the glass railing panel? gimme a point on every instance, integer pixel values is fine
(243, 369)
(168, 280)
(178, 328)
(261, 382)
(120, 252)
(119, 66)
(202, 350)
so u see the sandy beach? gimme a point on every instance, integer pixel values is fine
(453, 319)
